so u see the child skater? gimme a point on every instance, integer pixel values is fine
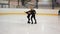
(28, 16)
(31, 13)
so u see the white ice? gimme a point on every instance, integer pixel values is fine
(17, 24)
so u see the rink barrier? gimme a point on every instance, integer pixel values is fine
(49, 12)
(26, 14)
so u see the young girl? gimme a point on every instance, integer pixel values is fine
(31, 12)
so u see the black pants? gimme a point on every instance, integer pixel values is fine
(33, 16)
(28, 18)
(23, 2)
(37, 5)
(53, 4)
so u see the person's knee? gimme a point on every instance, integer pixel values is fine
(34, 17)
(29, 18)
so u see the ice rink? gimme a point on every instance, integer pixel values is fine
(17, 24)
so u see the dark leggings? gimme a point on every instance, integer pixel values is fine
(28, 18)
(33, 16)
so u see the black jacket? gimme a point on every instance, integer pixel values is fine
(32, 12)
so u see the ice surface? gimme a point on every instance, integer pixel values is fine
(17, 24)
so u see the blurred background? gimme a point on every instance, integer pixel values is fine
(13, 19)
(25, 3)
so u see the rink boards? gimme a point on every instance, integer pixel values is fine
(14, 11)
